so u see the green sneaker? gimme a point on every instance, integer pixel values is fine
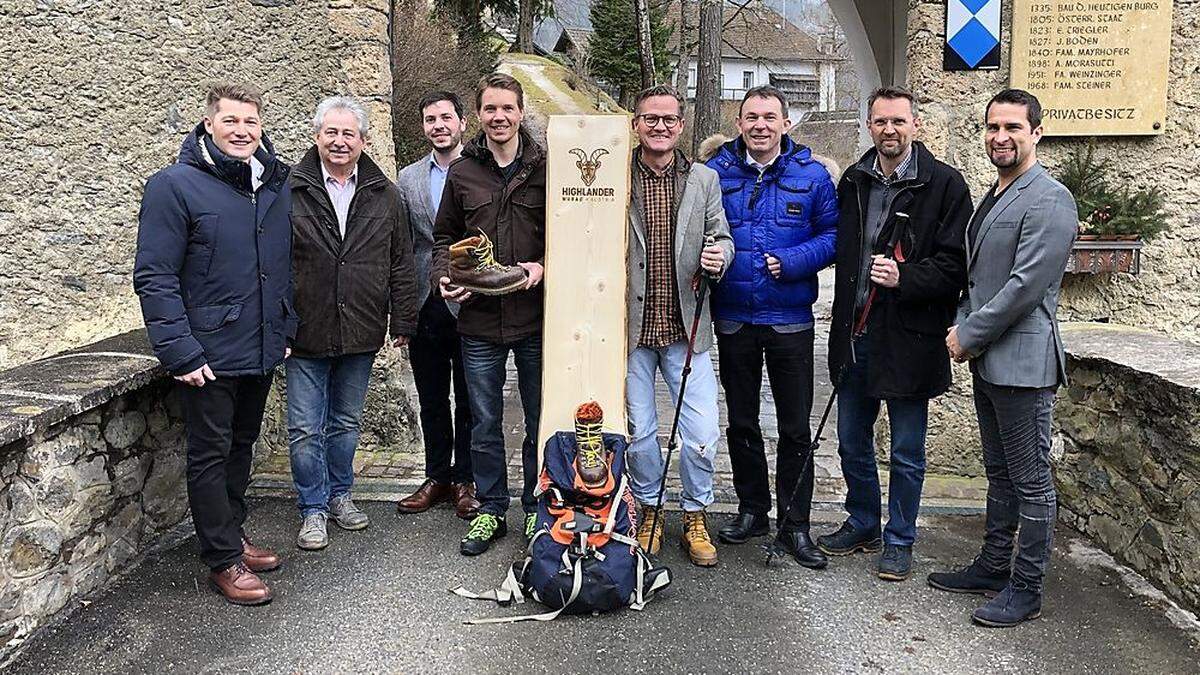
(484, 529)
(530, 525)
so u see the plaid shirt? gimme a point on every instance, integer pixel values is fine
(662, 322)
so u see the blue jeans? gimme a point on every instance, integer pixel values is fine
(699, 432)
(908, 419)
(325, 399)
(485, 364)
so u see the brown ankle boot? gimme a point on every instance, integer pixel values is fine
(474, 267)
(646, 519)
(258, 559)
(591, 465)
(240, 586)
(696, 541)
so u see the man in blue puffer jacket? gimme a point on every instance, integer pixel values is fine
(783, 212)
(213, 272)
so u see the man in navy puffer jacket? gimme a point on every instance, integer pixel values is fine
(213, 273)
(783, 212)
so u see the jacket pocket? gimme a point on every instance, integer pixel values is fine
(530, 198)
(793, 203)
(208, 318)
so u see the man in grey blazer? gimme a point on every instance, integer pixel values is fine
(436, 351)
(1017, 247)
(675, 207)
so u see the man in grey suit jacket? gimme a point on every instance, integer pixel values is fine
(1017, 246)
(436, 351)
(675, 207)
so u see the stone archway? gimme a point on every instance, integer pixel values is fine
(876, 31)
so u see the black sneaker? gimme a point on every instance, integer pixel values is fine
(973, 578)
(848, 540)
(896, 562)
(1016, 603)
(484, 529)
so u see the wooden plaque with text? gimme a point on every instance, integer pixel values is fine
(583, 340)
(1099, 67)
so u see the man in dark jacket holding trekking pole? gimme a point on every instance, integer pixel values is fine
(213, 273)
(901, 263)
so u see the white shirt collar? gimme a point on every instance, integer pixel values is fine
(761, 167)
(326, 176)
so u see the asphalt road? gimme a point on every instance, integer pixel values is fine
(377, 601)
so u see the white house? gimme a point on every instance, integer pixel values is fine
(760, 47)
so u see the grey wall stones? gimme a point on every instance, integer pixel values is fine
(96, 96)
(1128, 466)
(80, 500)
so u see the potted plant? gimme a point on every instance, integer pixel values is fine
(1114, 221)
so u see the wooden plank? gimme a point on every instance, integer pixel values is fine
(583, 339)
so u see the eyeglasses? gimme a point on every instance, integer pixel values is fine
(669, 121)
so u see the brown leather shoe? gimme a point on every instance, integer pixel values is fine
(430, 494)
(473, 267)
(240, 586)
(465, 504)
(258, 559)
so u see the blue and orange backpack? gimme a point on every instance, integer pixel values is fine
(584, 556)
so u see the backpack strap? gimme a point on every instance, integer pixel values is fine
(643, 593)
(576, 585)
(508, 593)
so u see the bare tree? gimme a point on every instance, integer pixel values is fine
(641, 17)
(708, 73)
(684, 61)
(525, 10)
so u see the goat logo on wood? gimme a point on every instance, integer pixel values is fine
(588, 164)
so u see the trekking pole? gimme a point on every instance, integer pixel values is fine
(894, 251)
(672, 440)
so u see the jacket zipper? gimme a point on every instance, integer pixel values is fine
(757, 188)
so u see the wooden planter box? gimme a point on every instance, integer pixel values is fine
(1095, 254)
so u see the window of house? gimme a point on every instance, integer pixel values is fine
(747, 79)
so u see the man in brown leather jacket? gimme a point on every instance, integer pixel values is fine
(497, 188)
(355, 288)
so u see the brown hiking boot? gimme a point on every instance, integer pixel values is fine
(696, 541)
(591, 465)
(473, 267)
(240, 586)
(647, 519)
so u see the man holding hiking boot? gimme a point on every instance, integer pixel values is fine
(488, 245)
(677, 233)
(898, 192)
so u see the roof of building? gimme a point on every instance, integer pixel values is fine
(752, 31)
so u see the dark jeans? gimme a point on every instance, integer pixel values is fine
(436, 356)
(223, 419)
(789, 359)
(1014, 427)
(486, 364)
(325, 398)
(908, 419)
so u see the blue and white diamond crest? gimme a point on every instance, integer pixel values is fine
(972, 28)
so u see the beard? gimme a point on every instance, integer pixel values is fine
(1005, 162)
(892, 151)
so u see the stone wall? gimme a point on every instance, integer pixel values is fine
(1165, 297)
(91, 475)
(1128, 466)
(96, 96)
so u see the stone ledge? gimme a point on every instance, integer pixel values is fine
(1138, 349)
(37, 395)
